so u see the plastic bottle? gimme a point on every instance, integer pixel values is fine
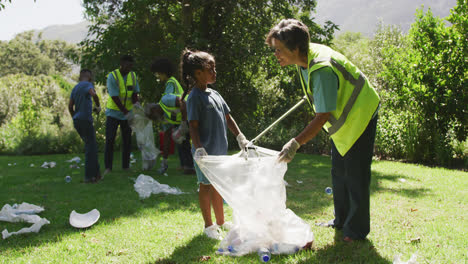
(328, 190)
(264, 254)
(67, 179)
(283, 248)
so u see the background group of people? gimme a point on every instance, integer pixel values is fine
(342, 100)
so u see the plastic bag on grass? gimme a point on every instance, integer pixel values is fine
(24, 212)
(252, 184)
(143, 128)
(146, 185)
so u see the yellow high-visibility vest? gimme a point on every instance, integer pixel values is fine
(173, 114)
(356, 101)
(125, 90)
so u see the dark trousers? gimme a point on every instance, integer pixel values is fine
(185, 153)
(126, 132)
(86, 131)
(351, 176)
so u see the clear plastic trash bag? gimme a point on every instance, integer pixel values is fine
(252, 184)
(145, 186)
(143, 128)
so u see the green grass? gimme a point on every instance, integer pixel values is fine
(425, 214)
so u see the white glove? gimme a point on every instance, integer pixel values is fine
(288, 151)
(179, 134)
(199, 153)
(242, 141)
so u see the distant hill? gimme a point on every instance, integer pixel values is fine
(363, 15)
(74, 33)
(350, 15)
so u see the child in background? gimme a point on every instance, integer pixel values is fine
(209, 118)
(173, 117)
(80, 108)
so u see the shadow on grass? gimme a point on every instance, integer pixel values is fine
(343, 252)
(196, 250)
(309, 175)
(114, 196)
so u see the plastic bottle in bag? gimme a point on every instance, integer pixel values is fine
(264, 254)
(284, 248)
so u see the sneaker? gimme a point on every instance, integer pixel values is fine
(164, 167)
(212, 232)
(227, 225)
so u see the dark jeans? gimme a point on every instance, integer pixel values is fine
(86, 131)
(185, 153)
(351, 176)
(111, 130)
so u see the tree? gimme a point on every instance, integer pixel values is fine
(25, 55)
(233, 31)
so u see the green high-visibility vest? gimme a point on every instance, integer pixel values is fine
(173, 114)
(356, 101)
(125, 90)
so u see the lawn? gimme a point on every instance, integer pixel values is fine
(414, 209)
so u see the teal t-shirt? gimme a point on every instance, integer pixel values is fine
(324, 84)
(113, 90)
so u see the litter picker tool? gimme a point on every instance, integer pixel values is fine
(279, 119)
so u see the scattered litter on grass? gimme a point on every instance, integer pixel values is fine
(298, 181)
(204, 258)
(47, 165)
(165, 174)
(32, 165)
(414, 240)
(84, 220)
(24, 212)
(412, 260)
(75, 159)
(402, 180)
(146, 185)
(10, 164)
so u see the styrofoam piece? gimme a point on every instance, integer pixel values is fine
(84, 220)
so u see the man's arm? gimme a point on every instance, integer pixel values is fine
(119, 104)
(71, 105)
(312, 128)
(93, 93)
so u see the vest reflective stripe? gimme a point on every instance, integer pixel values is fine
(173, 114)
(356, 102)
(125, 95)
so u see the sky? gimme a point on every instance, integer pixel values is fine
(21, 15)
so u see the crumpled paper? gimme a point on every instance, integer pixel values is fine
(412, 260)
(24, 212)
(146, 185)
(47, 165)
(75, 159)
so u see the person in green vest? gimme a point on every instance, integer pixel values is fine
(174, 117)
(123, 89)
(346, 106)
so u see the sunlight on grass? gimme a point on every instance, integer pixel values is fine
(414, 209)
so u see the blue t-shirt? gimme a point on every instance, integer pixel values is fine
(113, 90)
(82, 99)
(324, 84)
(209, 109)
